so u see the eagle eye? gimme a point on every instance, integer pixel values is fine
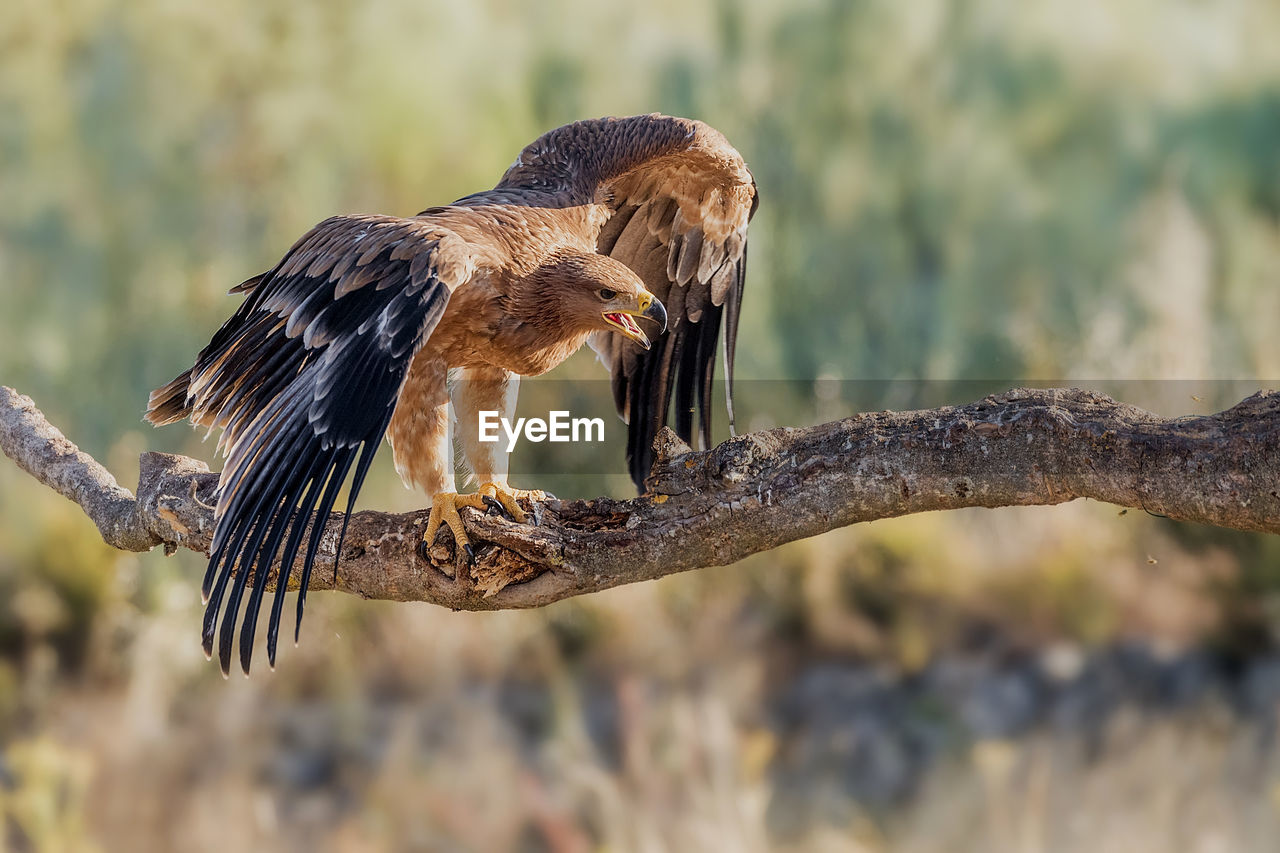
(606, 294)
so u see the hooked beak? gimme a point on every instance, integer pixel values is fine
(649, 307)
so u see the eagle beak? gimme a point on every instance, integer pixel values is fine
(648, 307)
(654, 310)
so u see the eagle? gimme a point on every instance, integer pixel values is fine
(626, 234)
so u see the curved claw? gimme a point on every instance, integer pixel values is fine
(505, 496)
(496, 506)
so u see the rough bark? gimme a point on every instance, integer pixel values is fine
(749, 494)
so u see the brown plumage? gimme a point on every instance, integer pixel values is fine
(351, 335)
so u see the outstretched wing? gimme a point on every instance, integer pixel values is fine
(303, 379)
(679, 198)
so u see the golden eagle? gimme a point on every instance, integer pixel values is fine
(352, 334)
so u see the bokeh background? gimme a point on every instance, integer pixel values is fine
(957, 197)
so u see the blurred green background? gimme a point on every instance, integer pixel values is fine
(956, 197)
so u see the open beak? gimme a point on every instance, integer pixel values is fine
(647, 306)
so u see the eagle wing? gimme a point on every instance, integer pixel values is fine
(303, 380)
(679, 199)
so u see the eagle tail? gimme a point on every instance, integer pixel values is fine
(168, 404)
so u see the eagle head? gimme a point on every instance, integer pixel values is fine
(593, 292)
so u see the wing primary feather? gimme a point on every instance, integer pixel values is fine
(237, 527)
(300, 521)
(733, 305)
(367, 451)
(621, 387)
(213, 597)
(663, 389)
(245, 566)
(264, 491)
(708, 337)
(279, 497)
(634, 452)
(287, 519)
(651, 397)
(339, 468)
(253, 555)
(685, 386)
(657, 399)
(638, 450)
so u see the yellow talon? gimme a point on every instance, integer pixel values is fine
(445, 506)
(507, 496)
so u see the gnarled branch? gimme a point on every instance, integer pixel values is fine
(749, 494)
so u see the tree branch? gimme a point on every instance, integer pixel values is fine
(45, 453)
(749, 494)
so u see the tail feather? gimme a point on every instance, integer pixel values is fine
(168, 404)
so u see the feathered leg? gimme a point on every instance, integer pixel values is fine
(478, 390)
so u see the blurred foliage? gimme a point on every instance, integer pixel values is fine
(956, 197)
(45, 810)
